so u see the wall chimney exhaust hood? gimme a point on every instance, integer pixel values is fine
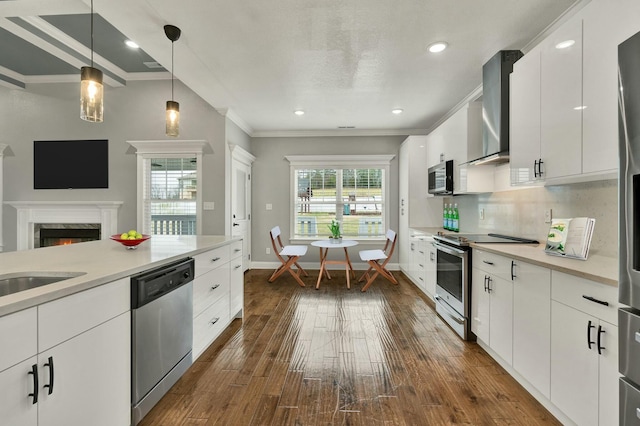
(495, 107)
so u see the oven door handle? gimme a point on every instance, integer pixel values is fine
(455, 317)
(451, 250)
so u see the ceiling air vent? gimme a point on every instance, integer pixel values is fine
(152, 65)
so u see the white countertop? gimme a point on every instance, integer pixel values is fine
(102, 262)
(602, 269)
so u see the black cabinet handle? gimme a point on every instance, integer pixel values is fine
(600, 347)
(236, 224)
(50, 365)
(237, 266)
(489, 289)
(215, 286)
(34, 371)
(589, 327)
(540, 163)
(487, 262)
(237, 250)
(485, 282)
(215, 320)
(593, 299)
(513, 265)
(535, 169)
(215, 259)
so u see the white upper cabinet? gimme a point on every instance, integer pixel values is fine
(606, 24)
(524, 115)
(561, 101)
(578, 112)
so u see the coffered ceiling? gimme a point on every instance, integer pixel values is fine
(345, 63)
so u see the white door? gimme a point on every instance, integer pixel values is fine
(241, 200)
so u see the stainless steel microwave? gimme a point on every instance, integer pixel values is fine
(441, 178)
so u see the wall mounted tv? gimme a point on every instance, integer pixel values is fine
(71, 164)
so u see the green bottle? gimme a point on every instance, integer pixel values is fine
(456, 218)
(449, 218)
(445, 216)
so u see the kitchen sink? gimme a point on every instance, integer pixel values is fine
(20, 281)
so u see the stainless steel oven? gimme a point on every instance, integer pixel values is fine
(452, 287)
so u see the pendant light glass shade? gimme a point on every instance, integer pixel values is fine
(91, 95)
(173, 118)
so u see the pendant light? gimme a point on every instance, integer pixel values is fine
(91, 89)
(173, 108)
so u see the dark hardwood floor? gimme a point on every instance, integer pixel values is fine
(335, 356)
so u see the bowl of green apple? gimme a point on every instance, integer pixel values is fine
(130, 239)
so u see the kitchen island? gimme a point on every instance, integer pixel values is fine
(81, 327)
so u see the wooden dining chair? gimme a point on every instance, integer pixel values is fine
(288, 256)
(377, 260)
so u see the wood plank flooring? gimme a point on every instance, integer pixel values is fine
(342, 357)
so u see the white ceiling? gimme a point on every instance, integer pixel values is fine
(344, 62)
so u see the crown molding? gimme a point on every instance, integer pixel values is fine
(337, 132)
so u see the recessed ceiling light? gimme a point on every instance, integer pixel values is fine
(397, 111)
(438, 46)
(580, 107)
(298, 112)
(565, 44)
(132, 44)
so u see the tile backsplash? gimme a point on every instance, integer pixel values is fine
(521, 212)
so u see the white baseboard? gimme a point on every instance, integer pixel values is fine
(315, 265)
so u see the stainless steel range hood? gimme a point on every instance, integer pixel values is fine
(495, 107)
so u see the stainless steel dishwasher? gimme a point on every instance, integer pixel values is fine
(161, 332)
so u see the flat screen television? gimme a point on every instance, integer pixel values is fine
(71, 164)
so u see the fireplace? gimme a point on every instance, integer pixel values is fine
(64, 236)
(34, 215)
(56, 234)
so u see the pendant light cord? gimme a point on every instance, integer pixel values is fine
(171, 69)
(91, 33)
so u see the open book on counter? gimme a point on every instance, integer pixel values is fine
(570, 237)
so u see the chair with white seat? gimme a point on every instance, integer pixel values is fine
(377, 260)
(288, 255)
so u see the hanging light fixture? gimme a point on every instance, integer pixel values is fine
(91, 89)
(173, 108)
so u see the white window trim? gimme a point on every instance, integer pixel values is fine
(337, 162)
(169, 149)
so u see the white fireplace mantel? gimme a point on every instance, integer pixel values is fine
(31, 212)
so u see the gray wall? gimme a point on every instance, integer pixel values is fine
(271, 182)
(134, 112)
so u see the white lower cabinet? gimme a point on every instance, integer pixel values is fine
(90, 376)
(422, 264)
(218, 294)
(16, 406)
(532, 324)
(491, 312)
(584, 350)
(83, 364)
(236, 284)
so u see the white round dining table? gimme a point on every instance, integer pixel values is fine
(324, 246)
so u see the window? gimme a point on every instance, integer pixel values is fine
(352, 190)
(169, 186)
(169, 196)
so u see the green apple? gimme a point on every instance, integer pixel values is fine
(138, 236)
(132, 233)
(124, 236)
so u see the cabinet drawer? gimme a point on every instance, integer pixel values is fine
(209, 324)
(209, 288)
(211, 259)
(19, 336)
(495, 264)
(235, 249)
(67, 317)
(584, 295)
